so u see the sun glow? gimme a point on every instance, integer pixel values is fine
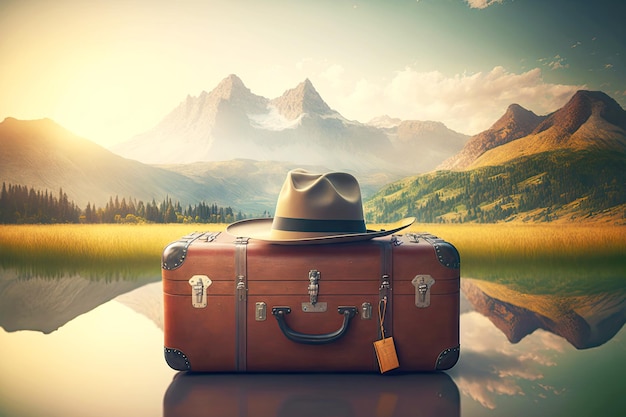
(109, 103)
(102, 106)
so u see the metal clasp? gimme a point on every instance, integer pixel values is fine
(241, 287)
(260, 311)
(314, 276)
(385, 287)
(366, 311)
(422, 284)
(313, 306)
(199, 285)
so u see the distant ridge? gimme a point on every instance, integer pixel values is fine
(43, 155)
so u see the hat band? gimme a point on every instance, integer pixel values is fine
(289, 224)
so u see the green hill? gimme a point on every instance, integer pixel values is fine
(554, 185)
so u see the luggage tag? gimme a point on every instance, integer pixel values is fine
(385, 348)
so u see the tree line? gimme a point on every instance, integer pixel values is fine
(21, 205)
(593, 181)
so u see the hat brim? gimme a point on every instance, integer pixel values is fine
(260, 229)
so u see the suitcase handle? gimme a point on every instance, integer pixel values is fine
(313, 339)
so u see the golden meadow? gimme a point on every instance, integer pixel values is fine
(583, 257)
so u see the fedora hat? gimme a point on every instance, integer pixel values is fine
(315, 208)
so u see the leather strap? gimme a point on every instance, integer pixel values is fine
(386, 285)
(241, 296)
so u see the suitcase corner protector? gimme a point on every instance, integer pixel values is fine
(174, 255)
(448, 358)
(176, 359)
(448, 255)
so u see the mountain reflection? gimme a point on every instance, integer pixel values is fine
(585, 321)
(46, 302)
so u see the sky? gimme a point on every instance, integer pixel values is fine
(110, 69)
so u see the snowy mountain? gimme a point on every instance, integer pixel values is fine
(231, 122)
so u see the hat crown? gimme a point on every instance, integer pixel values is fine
(332, 196)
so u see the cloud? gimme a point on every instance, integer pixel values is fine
(490, 367)
(467, 103)
(333, 74)
(558, 62)
(476, 377)
(482, 4)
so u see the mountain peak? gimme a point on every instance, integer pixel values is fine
(580, 108)
(304, 98)
(230, 87)
(515, 123)
(516, 111)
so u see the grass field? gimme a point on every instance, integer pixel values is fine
(78, 248)
(541, 258)
(499, 252)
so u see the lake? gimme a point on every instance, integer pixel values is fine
(91, 344)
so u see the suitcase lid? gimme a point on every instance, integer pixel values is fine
(417, 262)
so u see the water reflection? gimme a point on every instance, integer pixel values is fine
(98, 270)
(585, 321)
(46, 302)
(432, 394)
(527, 354)
(107, 362)
(92, 346)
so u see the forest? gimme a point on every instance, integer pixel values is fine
(21, 205)
(541, 184)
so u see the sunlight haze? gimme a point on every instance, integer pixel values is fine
(110, 70)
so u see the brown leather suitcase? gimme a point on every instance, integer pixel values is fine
(238, 304)
(275, 395)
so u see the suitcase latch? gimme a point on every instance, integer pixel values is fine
(313, 306)
(314, 277)
(366, 311)
(422, 284)
(199, 285)
(260, 311)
